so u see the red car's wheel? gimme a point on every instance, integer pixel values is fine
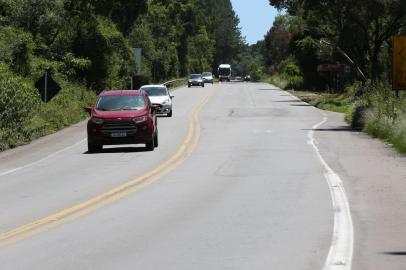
(94, 148)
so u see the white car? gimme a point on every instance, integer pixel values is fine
(207, 77)
(159, 94)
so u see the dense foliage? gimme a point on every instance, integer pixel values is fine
(356, 33)
(87, 46)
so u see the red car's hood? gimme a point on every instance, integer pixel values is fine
(118, 114)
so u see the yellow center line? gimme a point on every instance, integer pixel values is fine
(182, 154)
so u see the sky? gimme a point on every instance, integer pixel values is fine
(256, 18)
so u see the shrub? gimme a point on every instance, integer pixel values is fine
(292, 73)
(16, 49)
(23, 117)
(356, 117)
(381, 114)
(18, 102)
(63, 110)
(278, 81)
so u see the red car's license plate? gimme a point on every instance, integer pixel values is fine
(119, 134)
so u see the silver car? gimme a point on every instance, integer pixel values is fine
(159, 94)
(195, 80)
(207, 77)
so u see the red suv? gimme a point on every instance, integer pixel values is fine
(122, 117)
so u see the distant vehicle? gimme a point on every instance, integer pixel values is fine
(159, 94)
(195, 80)
(224, 72)
(247, 78)
(207, 77)
(122, 117)
(238, 78)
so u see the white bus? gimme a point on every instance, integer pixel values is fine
(224, 72)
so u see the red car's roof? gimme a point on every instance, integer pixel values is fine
(122, 93)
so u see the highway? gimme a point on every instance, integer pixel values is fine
(246, 176)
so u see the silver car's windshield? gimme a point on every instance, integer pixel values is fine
(155, 91)
(206, 74)
(118, 103)
(195, 76)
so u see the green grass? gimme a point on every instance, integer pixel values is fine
(378, 112)
(341, 103)
(276, 80)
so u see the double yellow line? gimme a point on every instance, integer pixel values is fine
(183, 153)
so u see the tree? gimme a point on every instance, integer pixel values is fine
(362, 31)
(277, 41)
(200, 52)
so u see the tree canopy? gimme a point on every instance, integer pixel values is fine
(86, 46)
(90, 41)
(357, 33)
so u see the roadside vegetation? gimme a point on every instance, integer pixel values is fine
(308, 35)
(87, 48)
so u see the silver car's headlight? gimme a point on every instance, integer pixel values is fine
(167, 101)
(97, 121)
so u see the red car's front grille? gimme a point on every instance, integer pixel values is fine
(108, 128)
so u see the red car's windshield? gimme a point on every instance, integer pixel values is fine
(118, 103)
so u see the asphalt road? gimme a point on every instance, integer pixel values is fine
(245, 177)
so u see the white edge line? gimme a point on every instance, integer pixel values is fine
(341, 249)
(42, 159)
(342, 245)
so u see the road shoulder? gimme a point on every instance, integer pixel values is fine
(374, 176)
(42, 147)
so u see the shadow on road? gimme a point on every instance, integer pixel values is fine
(395, 253)
(336, 129)
(119, 150)
(288, 100)
(267, 89)
(301, 105)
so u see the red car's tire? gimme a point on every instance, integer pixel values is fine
(150, 145)
(156, 139)
(94, 148)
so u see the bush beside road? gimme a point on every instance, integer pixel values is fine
(25, 117)
(372, 108)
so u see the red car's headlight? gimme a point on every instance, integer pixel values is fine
(140, 119)
(97, 121)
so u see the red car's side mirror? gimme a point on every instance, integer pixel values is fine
(88, 109)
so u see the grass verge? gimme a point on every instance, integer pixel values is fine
(277, 80)
(377, 111)
(340, 103)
